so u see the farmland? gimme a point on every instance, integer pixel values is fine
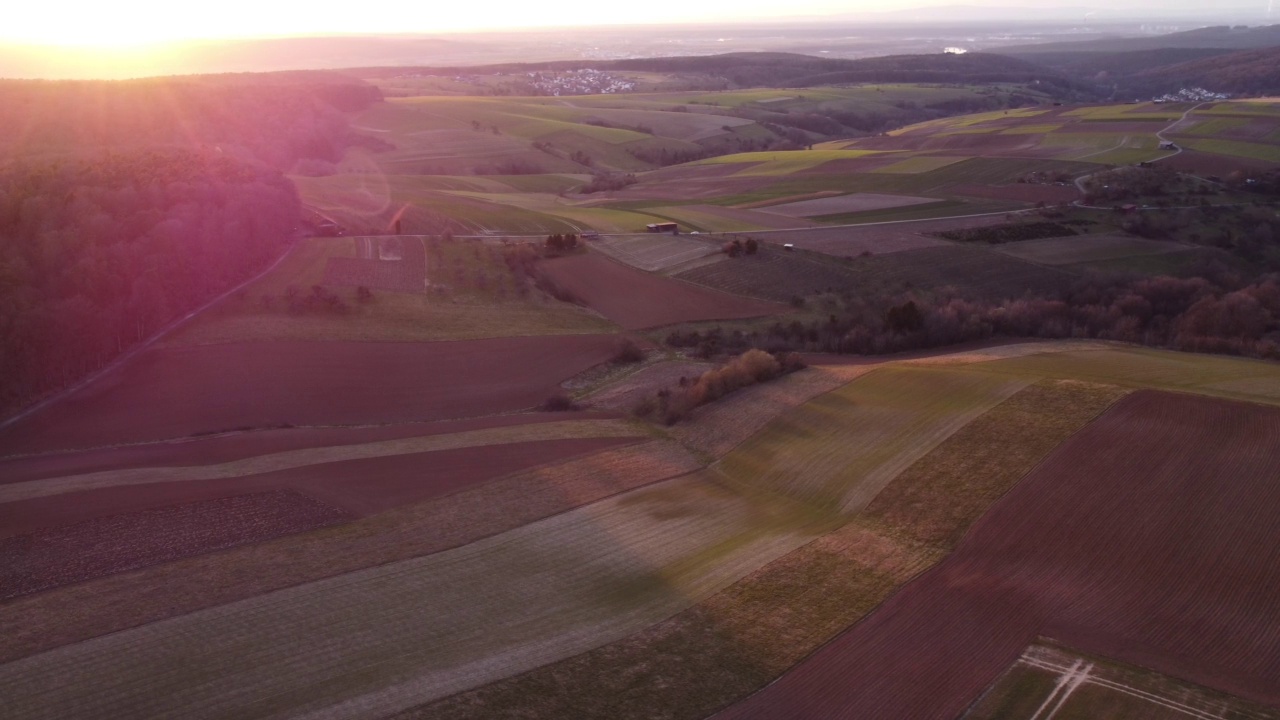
(637, 300)
(218, 388)
(781, 276)
(1087, 248)
(401, 474)
(1047, 675)
(1140, 472)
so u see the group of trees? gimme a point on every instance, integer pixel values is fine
(752, 367)
(1216, 312)
(97, 255)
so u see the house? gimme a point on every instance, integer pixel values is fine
(670, 227)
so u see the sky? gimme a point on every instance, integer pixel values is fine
(130, 23)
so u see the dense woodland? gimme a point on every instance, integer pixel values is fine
(97, 255)
(124, 205)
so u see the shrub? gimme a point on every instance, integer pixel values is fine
(628, 352)
(558, 403)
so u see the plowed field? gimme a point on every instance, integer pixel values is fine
(1147, 538)
(59, 556)
(636, 300)
(179, 392)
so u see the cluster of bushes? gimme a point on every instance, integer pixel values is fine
(669, 405)
(738, 247)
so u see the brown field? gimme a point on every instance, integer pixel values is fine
(1203, 163)
(779, 275)
(856, 202)
(210, 389)
(1018, 192)
(763, 217)
(852, 241)
(1087, 248)
(63, 555)
(86, 610)
(878, 239)
(636, 300)
(215, 449)
(361, 487)
(1139, 540)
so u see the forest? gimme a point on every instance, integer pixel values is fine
(125, 205)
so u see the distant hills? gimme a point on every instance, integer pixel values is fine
(1222, 37)
(743, 70)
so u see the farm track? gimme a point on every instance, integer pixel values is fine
(1137, 540)
(233, 446)
(317, 455)
(359, 487)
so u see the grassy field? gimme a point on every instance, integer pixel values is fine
(1237, 148)
(1215, 375)
(839, 450)
(461, 311)
(919, 164)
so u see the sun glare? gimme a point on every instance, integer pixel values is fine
(134, 24)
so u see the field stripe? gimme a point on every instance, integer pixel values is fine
(741, 638)
(86, 610)
(841, 449)
(314, 456)
(437, 624)
(388, 638)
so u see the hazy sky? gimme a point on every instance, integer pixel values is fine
(131, 22)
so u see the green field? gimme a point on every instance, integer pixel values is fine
(457, 310)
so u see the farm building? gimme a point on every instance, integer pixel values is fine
(673, 228)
